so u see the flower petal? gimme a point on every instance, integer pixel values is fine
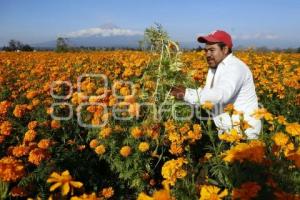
(65, 189)
(76, 184)
(54, 186)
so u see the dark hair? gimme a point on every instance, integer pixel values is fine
(222, 45)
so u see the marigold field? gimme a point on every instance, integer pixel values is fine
(75, 126)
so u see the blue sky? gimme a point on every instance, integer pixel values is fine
(274, 23)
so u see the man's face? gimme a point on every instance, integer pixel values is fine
(214, 54)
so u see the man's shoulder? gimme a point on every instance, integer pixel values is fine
(235, 62)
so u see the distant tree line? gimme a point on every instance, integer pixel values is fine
(15, 45)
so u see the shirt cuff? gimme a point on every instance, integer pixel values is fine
(192, 96)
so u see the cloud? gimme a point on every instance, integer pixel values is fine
(103, 31)
(259, 36)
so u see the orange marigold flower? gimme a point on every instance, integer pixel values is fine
(19, 192)
(2, 138)
(31, 94)
(11, 169)
(107, 192)
(129, 99)
(176, 149)
(125, 151)
(100, 149)
(136, 132)
(29, 136)
(295, 156)
(44, 143)
(4, 106)
(94, 143)
(19, 110)
(5, 128)
(254, 151)
(65, 181)
(20, 151)
(32, 125)
(247, 191)
(55, 124)
(37, 155)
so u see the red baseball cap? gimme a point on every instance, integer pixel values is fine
(217, 36)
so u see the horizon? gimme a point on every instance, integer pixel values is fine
(271, 24)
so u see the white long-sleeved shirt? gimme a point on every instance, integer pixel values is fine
(232, 83)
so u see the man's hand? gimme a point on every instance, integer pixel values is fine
(178, 92)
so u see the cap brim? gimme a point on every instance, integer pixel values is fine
(205, 39)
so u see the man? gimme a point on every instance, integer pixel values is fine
(229, 81)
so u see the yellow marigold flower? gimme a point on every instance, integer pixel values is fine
(143, 146)
(136, 132)
(293, 129)
(100, 150)
(5, 128)
(44, 143)
(172, 170)
(229, 108)
(37, 155)
(263, 113)
(169, 125)
(105, 132)
(184, 129)
(209, 192)
(105, 116)
(94, 143)
(194, 135)
(64, 181)
(107, 192)
(125, 151)
(92, 196)
(29, 136)
(162, 195)
(124, 91)
(55, 124)
(207, 105)
(20, 151)
(232, 136)
(32, 125)
(247, 191)
(134, 109)
(11, 169)
(281, 120)
(280, 139)
(143, 196)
